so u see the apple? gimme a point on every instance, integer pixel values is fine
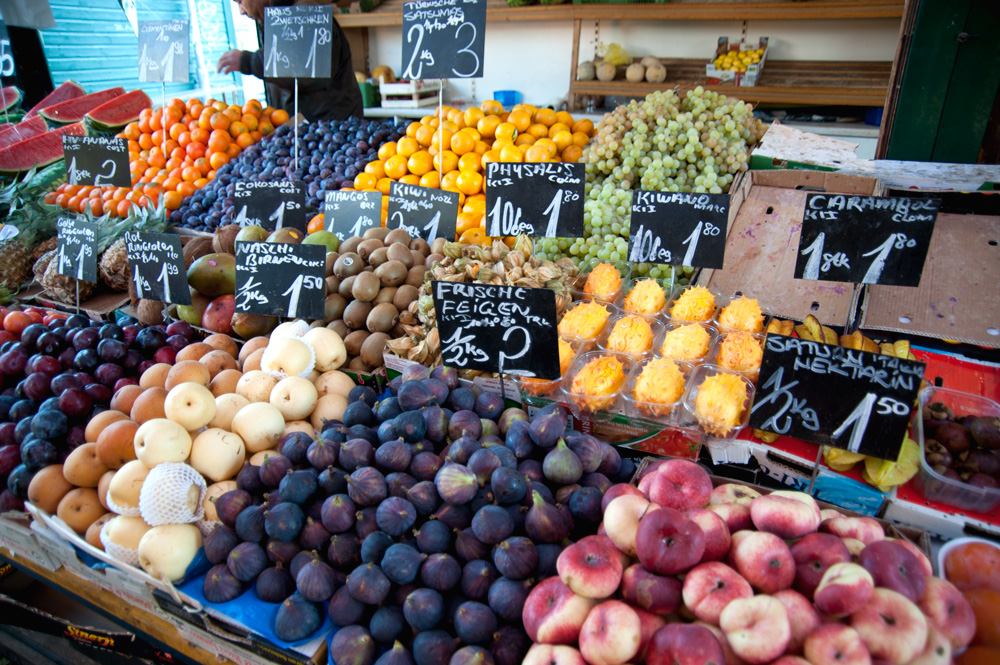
(891, 626)
(937, 651)
(735, 515)
(786, 514)
(190, 405)
(160, 440)
(727, 651)
(611, 634)
(553, 614)
(548, 654)
(894, 567)
(709, 587)
(836, 644)
(949, 612)
(802, 616)
(763, 559)
(618, 490)
(925, 563)
(844, 589)
(591, 567)
(717, 538)
(649, 623)
(621, 520)
(733, 493)
(684, 644)
(813, 554)
(865, 529)
(667, 543)
(652, 592)
(681, 485)
(757, 629)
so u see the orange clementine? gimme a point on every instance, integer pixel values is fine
(490, 156)
(387, 150)
(469, 182)
(584, 125)
(571, 154)
(251, 121)
(507, 131)
(524, 139)
(279, 117)
(186, 189)
(233, 149)
(245, 140)
(218, 160)
(986, 606)
(384, 185)
(470, 161)
(315, 224)
(431, 179)
(376, 168)
(549, 146)
(406, 146)
(420, 163)
(488, 125)
(466, 221)
(476, 236)
(450, 161)
(536, 153)
(973, 565)
(448, 182)
(580, 139)
(511, 153)
(220, 121)
(219, 141)
(491, 107)
(410, 179)
(411, 129)
(395, 167)
(520, 119)
(365, 181)
(424, 135)
(463, 142)
(545, 116)
(238, 128)
(173, 200)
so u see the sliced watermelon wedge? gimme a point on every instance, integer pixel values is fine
(73, 110)
(22, 131)
(39, 151)
(118, 112)
(9, 98)
(66, 90)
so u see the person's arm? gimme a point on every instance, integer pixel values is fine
(244, 62)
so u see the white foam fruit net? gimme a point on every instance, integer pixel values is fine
(296, 328)
(115, 508)
(172, 494)
(114, 550)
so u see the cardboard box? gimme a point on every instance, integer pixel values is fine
(748, 78)
(17, 538)
(101, 306)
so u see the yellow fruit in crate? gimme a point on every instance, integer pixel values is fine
(839, 459)
(885, 474)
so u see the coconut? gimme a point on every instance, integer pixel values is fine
(195, 248)
(149, 312)
(224, 241)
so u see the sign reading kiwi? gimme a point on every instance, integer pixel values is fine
(163, 51)
(298, 42)
(422, 212)
(348, 214)
(77, 246)
(493, 328)
(156, 262)
(280, 279)
(542, 200)
(270, 205)
(96, 160)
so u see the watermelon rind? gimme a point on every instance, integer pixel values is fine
(23, 130)
(38, 151)
(73, 110)
(115, 114)
(10, 97)
(65, 91)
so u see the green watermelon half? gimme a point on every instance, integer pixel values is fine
(39, 151)
(22, 130)
(118, 112)
(66, 90)
(73, 110)
(9, 98)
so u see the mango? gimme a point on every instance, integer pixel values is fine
(213, 275)
(192, 313)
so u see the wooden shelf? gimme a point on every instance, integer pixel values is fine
(390, 12)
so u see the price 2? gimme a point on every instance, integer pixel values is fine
(443, 39)
(100, 179)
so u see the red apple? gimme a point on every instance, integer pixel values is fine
(763, 559)
(621, 520)
(813, 555)
(894, 567)
(591, 567)
(785, 514)
(709, 587)
(553, 614)
(836, 644)
(618, 490)
(802, 616)
(733, 493)
(844, 589)
(865, 529)
(547, 654)
(949, 612)
(652, 592)
(757, 629)
(735, 515)
(667, 543)
(611, 634)
(684, 644)
(681, 485)
(717, 539)
(937, 651)
(891, 626)
(649, 623)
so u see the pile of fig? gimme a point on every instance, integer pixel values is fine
(960, 447)
(423, 519)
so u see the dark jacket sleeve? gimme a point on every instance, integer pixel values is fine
(252, 62)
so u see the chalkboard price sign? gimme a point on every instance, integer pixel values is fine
(157, 265)
(543, 200)
(423, 212)
(280, 279)
(270, 205)
(6, 54)
(678, 228)
(350, 214)
(835, 396)
(443, 39)
(96, 160)
(865, 239)
(493, 328)
(298, 41)
(77, 245)
(163, 51)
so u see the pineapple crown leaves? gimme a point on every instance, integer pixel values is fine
(150, 219)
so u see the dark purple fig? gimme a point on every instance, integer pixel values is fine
(468, 547)
(611, 461)
(322, 453)
(338, 513)
(387, 624)
(362, 432)
(439, 389)
(366, 523)
(425, 465)
(219, 543)
(366, 486)
(294, 446)
(393, 456)
(432, 537)
(509, 417)
(515, 558)
(250, 524)
(484, 497)
(393, 385)
(489, 405)
(355, 453)
(505, 455)
(397, 655)
(410, 426)
(352, 645)
(424, 497)
(461, 450)
(474, 623)
(274, 584)
(401, 563)
(561, 465)
(518, 440)
(423, 609)
(335, 432)
(954, 437)
(362, 394)
(424, 446)
(435, 424)
(492, 525)
(399, 483)
(400, 591)
(548, 426)
(344, 550)
(482, 463)
(433, 647)
(313, 535)
(332, 481)
(246, 561)
(344, 609)
(626, 470)
(273, 469)
(531, 469)
(395, 516)
(588, 450)
(508, 485)
(510, 646)
(548, 556)
(471, 656)
(297, 619)
(315, 580)
(465, 423)
(374, 545)
(446, 375)
(441, 572)
(248, 480)
(368, 584)
(416, 372)
(979, 461)
(359, 413)
(517, 513)
(547, 522)
(387, 432)
(413, 395)
(985, 430)
(283, 521)
(456, 484)
(565, 492)
(229, 505)
(506, 597)
(454, 516)
(299, 560)
(477, 576)
(529, 499)
(281, 552)
(488, 438)
(936, 454)
(596, 480)
(585, 505)
(221, 585)
(387, 409)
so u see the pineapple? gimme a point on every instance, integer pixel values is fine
(114, 266)
(60, 287)
(21, 203)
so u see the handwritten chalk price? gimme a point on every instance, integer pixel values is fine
(298, 41)
(163, 51)
(540, 200)
(6, 55)
(443, 39)
(660, 220)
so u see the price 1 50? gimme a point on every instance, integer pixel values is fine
(294, 292)
(821, 262)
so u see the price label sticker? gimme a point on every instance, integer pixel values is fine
(865, 239)
(163, 51)
(349, 214)
(443, 39)
(298, 42)
(270, 205)
(835, 396)
(96, 160)
(493, 328)
(157, 266)
(541, 200)
(423, 212)
(77, 245)
(280, 279)
(7, 67)
(678, 228)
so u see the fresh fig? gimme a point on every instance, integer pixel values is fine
(468, 547)
(315, 580)
(397, 655)
(456, 484)
(425, 465)
(596, 480)
(413, 395)
(221, 585)
(474, 623)
(588, 450)
(585, 505)
(465, 423)
(548, 557)
(313, 535)
(424, 497)
(352, 645)
(344, 550)
(518, 440)
(294, 446)
(492, 525)
(374, 546)
(273, 469)
(484, 497)
(356, 453)
(441, 572)
(399, 483)
(435, 423)
(548, 426)
(228, 506)
(219, 543)
(489, 405)
(509, 417)
(457, 516)
(546, 522)
(368, 584)
(477, 576)
(482, 463)
(516, 558)
(446, 375)
(471, 656)
(248, 480)
(249, 524)
(281, 552)
(611, 460)
(510, 646)
(393, 456)
(396, 516)
(274, 584)
(283, 521)
(344, 610)
(433, 647)
(410, 426)
(387, 624)
(322, 453)
(365, 523)
(505, 455)
(423, 609)
(401, 563)
(561, 465)
(461, 399)
(246, 561)
(506, 597)
(531, 469)
(332, 481)
(338, 513)
(366, 486)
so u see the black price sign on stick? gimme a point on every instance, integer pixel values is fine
(298, 42)
(835, 396)
(6, 54)
(280, 279)
(349, 214)
(163, 51)
(443, 39)
(504, 329)
(542, 200)
(270, 205)
(157, 265)
(865, 239)
(99, 161)
(678, 228)
(77, 245)
(423, 212)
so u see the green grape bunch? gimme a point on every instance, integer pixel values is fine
(661, 143)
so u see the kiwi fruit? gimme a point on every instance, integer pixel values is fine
(397, 236)
(385, 294)
(405, 294)
(391, 273)
(421, 246)
(371, 350)
(379, 232)
(350, 245)
(339, 327)
(331, 260)
(398, 331)
(432, 259)
(378, 257)
(368, 246)
(418, 257)
(400, 252)
(415, 276)
(359, 365)
(356, 313)
(437, 247)
(354, 340)
(366, 286)
(382, 318)
(334, 306)
(332, 284)
(346, 287)
(348, 264)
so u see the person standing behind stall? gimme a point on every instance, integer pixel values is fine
(335, 98)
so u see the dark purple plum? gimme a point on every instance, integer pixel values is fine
(246, 561)
(315, 580)
(423, 609)
(273, 469)
(482, 463)
(108, 374)
(465, 423)
(9, 501)
(313, 535)
(474, 623)
(401, 563)
(36, 386)
(10, 454)
(355, 454)
(433, 537)
(366, 486)
(424, 497)
(274, 584)
(249, 524)
(111, 350)
(322, 453)
(221, 585)
(393, 456)
(75, 402)
(368, 584)
(515, 558)
(281, 552)
(477, 576)
(284, 521)
(508, 485)
(297, 486)
(441, 572)
(100, 393)
(344, 609)
(297, 618)
(425, 465)
(461, 399)
(39, 453)
(506, 597)
(492, 525)
(219, 542)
